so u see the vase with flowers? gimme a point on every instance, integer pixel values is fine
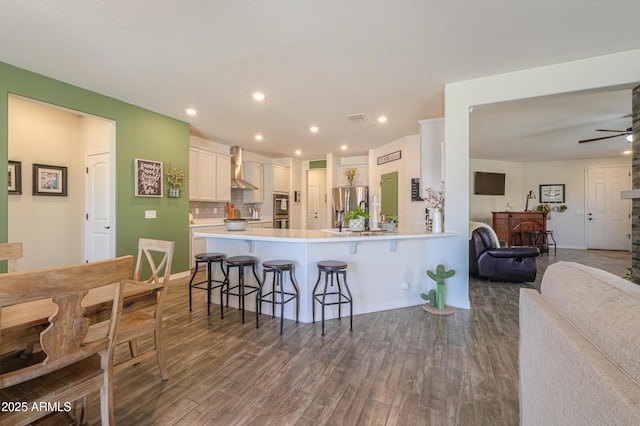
(436, 199)
(350, 174)
(175, 178)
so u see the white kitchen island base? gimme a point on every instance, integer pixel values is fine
(386, 271)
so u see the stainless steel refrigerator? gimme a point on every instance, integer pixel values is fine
(347, 198)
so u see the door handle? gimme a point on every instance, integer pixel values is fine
(107, 227)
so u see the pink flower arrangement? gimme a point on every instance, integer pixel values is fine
(436, 199)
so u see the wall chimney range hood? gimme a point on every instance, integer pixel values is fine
(237, 182)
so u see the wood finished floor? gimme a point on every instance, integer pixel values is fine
(399, 367)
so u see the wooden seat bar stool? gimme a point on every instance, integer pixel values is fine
(239, 289)
(278, 268)
(209, 259)
(339, 296)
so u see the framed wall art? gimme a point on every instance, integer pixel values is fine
(49, 180)
(15, 178)
(552, 193)
(148, 178)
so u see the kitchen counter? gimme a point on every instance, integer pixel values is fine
(201, 223)
(198, 244)
(386, 270)
(311, 236)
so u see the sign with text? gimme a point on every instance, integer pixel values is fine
(148, 177)
(390, 157)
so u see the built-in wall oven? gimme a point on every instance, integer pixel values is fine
(280, 211)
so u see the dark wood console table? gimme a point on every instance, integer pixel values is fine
(512, 227)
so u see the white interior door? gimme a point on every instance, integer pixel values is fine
(100, 226)
(313, 204)
(608, 216)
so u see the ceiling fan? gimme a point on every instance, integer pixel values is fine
(627, 133)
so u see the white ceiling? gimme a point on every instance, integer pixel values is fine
(319, 61)
(549, 128)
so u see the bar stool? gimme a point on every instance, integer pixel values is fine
(239, 262)
(277, 268)
(209, 259)
(537, 239)
(332, 268)
(549, 234)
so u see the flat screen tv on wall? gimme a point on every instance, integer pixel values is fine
(486, 183)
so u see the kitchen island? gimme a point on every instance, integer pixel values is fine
(386, 270)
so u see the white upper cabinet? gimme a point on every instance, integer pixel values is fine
(252, 173)
(281, 178)
(223, 177)
(209, 176)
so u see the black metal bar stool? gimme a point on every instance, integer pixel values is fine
(209, 259)
(332, 268)
(537, 239)
(278, 268)
(547, 235)
(240, 288)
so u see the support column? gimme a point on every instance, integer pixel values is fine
(635, 182)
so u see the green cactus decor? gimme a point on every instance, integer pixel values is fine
(431, 297)
(439, 276)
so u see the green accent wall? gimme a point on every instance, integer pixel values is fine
(140, 133)
(318, 164)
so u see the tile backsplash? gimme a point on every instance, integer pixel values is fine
(206, 209)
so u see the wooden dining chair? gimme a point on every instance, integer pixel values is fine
(75, 360)
(11, 252)
(157, 255)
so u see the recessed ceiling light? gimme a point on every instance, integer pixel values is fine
(259, 96)
(344, 147)
(313, 129)
(191, 111)
(258, 137)
(627, 152)
(298, 152)
(382, 119)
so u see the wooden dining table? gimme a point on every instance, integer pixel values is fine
(22, 324)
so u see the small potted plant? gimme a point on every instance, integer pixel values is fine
(390, 223)
(563, 208)
(356, 218)
(545, 208)
(175, 178)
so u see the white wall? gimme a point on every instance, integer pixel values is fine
(296, 211)
(481, 206)
(570, 226)
(431, 140)
(408, 166)
(586, 74)
(50, 227)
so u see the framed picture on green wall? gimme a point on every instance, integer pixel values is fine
(148, 178)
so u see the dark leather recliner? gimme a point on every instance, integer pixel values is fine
(515, 264)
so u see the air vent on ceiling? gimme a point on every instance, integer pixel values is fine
(357, 118)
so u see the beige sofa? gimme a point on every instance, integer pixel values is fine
(580, 349)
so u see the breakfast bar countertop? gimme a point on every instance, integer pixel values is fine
(321, 236)
(206, 222)
(386, 270)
